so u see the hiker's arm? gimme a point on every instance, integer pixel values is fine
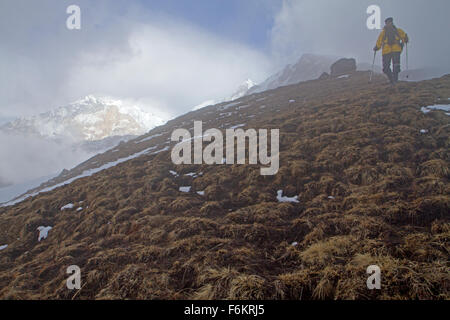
(403, 36)
(379, 41)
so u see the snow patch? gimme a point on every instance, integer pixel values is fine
(281, 198)
(3, 247)
(43, 232)
(193, 174)
(67, 206)
(444, 107)
(149, 138)
(185, 189)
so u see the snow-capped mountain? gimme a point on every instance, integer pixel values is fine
(239, 93)
(40, 146)
(242, 89)
(309, 67)
(89, 119)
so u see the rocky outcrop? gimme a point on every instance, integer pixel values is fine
(342, 67)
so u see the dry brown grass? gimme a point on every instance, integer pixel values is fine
(372, 190)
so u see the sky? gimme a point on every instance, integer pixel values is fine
(170, 55)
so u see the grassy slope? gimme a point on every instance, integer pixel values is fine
(142, 238)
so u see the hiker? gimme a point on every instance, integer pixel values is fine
(392, 40)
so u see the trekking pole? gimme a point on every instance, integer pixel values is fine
(373, 64)
(407, 64)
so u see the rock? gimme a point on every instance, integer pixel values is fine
(324, 76)
(342, 67)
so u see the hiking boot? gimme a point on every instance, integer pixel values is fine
(395, 77)
(390, 76)
(391, 79)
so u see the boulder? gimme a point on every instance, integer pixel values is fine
(343, 66)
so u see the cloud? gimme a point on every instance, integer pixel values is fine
(164, 65)
(122, 50)
(37, 50)
(339, 28)
(26, 158)
(126, 50)
(174, 66)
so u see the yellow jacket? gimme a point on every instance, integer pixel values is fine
(382, 42)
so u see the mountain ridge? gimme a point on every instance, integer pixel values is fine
(74, 132)
(88, 119)
(308, 67)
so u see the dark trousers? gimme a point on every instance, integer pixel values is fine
(393, 57)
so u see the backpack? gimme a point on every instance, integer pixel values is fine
(390, 34)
